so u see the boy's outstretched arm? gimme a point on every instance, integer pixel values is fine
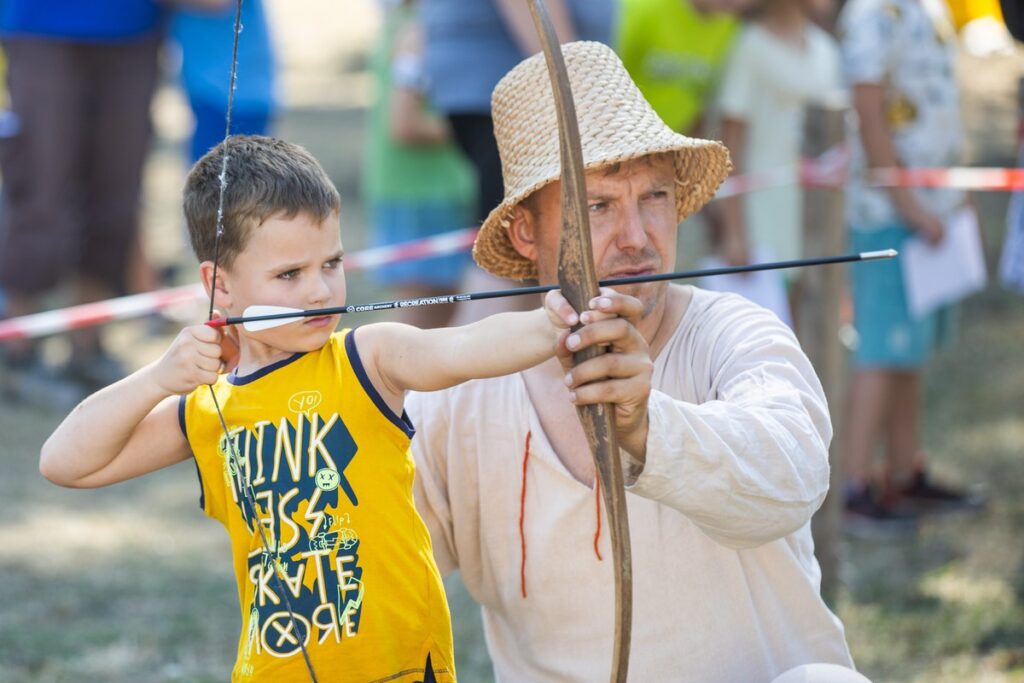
(401, 358)
(131, 427)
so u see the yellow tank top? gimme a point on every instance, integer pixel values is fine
(331, 474)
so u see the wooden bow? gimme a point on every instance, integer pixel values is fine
(578, 280)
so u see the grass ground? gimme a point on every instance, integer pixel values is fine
(132, 582)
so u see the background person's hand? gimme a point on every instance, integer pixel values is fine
(928, 226)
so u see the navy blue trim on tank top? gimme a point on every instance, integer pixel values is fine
(184, 431)
(403, 422)
(238, 381)
(181, 415)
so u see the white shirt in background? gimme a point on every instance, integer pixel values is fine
(767, 84)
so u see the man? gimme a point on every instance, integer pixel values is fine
(719, 413)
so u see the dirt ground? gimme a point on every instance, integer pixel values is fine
(133, 583)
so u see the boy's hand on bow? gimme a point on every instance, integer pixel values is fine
(623, 375)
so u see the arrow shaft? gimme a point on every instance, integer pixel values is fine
(541, 289)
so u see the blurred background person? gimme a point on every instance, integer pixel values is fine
(898, 58)
(780, 63)
(202, 44)
(1011, 263)
(80, 78)
(416, 183)
(469, 47)
(675, 50)
(6, 118)
(204, 36)
(1013, 17)
(982, 26)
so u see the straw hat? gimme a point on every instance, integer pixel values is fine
(616, 124)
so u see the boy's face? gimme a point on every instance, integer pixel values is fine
(294, 262)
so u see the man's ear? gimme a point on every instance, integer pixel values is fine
(222, 297)
(522, 232)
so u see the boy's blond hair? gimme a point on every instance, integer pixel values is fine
(265, 177)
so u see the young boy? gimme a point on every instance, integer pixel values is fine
(318, 450)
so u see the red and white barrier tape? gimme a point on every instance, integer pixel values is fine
(758, 180)
(826, 172)
(963, 178)
(437, 245)
(123, 308)
(96, 313)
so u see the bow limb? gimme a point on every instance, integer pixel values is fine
(578, 280)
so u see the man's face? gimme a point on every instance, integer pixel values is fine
(632, 222)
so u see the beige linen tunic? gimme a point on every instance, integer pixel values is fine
(726, 586)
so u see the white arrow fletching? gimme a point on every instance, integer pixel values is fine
(257, 311)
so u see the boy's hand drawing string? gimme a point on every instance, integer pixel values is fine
(270, 561)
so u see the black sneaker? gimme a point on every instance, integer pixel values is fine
(866, 516)
(929, 497)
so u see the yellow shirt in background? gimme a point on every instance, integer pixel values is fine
(965, 11)
(675, 55)
(331, 475)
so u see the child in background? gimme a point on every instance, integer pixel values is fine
(318, 452)
(417, 182)
(898, 58)
(781, 62)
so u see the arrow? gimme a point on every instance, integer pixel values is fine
(259, 317)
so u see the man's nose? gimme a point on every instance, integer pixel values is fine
(631, 233)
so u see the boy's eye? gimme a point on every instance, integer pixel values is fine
(333, 263)
(289, 274)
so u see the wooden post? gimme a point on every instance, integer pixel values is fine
(820, 293)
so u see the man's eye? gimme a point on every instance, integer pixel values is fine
(598, 206)
(657, 194)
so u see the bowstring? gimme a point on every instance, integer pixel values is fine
(231, 448)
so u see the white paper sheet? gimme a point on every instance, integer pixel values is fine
(948, 272)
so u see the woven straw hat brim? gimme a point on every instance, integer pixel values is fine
(616, 125)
